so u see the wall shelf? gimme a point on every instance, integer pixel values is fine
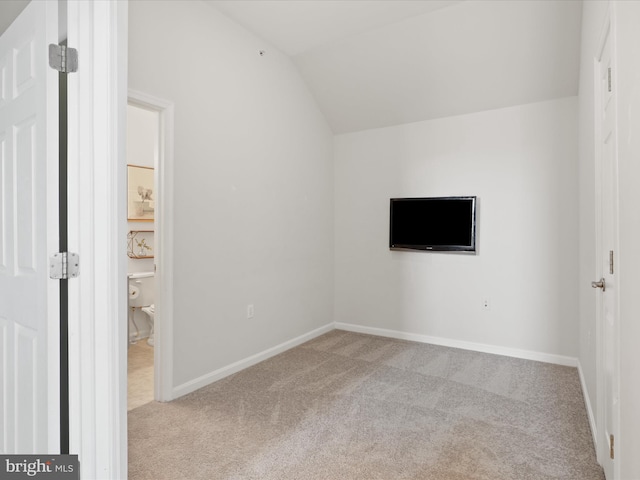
(140, 244)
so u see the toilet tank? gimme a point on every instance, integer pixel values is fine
(141, 289)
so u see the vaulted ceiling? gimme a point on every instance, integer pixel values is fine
(386, 62)
(376, 63)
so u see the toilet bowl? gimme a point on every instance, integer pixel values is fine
(141, 299)
(150, 311)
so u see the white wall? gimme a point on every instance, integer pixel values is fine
(521, 162)
(253, 185)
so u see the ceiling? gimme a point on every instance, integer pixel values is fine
(377, 63)
(9, 10)
(296, 26)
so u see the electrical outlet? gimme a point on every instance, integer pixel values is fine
(250, 311)
(486, 304)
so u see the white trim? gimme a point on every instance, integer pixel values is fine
(164, 314)
(223, 372)
(477, 347)
(587, 403)
(97, 194)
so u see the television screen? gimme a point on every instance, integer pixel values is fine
(436, 223)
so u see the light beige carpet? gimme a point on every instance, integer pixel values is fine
(352, 406)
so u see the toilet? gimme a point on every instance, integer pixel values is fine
(141, 295)
(150, 311)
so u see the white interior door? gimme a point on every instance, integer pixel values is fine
(29, 300)
(607, 247)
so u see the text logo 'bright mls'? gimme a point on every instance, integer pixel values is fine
(51, 467)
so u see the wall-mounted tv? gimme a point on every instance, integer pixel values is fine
(433, 223)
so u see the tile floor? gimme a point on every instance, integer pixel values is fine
(140, 374)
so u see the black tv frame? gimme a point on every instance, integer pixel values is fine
(436, 248)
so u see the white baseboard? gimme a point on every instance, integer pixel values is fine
(478, 347)
(223, 372)
(587, 403)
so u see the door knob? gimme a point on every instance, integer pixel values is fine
(599, 284)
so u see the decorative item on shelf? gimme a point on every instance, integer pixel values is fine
(140, 244)
(140, 203)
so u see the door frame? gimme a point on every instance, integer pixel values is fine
(163, 323)
(97, 96)
(602, 444)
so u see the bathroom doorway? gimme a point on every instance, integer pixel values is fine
(149, 239)
(142, 153)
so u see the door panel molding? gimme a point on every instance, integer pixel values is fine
(30, 303)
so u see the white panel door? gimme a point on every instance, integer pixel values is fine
(608, 384)
(29, 300)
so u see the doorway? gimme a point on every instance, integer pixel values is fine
(156, 116)
(143, 148)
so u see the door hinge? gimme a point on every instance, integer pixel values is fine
(611, 445)
(63, 59)
(64, 266)
(609, 78)
(611, 262)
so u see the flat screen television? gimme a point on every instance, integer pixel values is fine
(433, 223)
